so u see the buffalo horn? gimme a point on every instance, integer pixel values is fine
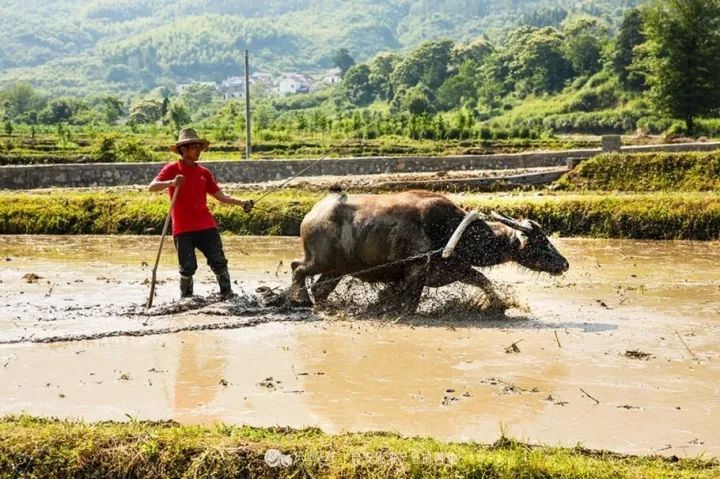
(512, 223)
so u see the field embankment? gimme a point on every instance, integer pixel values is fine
(640, 196)
(647, 172)
(32, 447)
(666, 215)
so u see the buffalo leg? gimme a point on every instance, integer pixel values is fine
(390, 298)
(413, 287)
(298, 292)
(476, 278)
(325, 285)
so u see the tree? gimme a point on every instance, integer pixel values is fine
(631, 35)
(428, 64)
(198, 96)
(381, 68)
(415, 101)
(177, 115)
(585, 39)
(111, 108)
(477, 51)
(460, 88)
(145, 111)
(683, 47)
(433, 59)
(537, 61)
(20, 100)
(342, 60)
(356, 85)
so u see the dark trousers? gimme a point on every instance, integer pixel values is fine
(207, 241)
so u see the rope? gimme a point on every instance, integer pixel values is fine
(408, 259)
(327, 155)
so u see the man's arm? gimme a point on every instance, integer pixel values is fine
(223, 198)
(159, 185)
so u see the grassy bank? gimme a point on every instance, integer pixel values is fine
(662, 215)
(126, 146)
(647, 172)
(32, 447)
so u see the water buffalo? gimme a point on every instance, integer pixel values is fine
(349, 234)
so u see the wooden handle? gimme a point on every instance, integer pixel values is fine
(162, 238)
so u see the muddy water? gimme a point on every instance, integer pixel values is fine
(574, 375)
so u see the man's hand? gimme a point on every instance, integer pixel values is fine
(178, 180)
(247, 205)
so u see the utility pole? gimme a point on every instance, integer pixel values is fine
(248, 142)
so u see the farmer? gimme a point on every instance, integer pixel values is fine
(193, 226)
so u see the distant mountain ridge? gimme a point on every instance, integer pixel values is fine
(78, 46)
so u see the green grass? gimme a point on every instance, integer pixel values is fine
(663, 215)
(647, 172)
(40, 448)
(126, 146)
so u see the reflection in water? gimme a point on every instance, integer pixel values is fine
(201, 361)
(422, 381)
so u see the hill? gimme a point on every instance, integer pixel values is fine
(111, 46)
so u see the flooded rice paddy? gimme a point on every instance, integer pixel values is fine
(620, 353)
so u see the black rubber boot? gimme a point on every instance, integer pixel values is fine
(186, 286)
(223, 279)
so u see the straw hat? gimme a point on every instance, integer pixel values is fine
(188, 136)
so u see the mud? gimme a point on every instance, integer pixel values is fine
(621, 353)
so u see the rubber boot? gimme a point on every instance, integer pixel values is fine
(223, 279)
(186, 286)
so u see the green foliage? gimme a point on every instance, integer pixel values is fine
(148, 110)
(55, 448)
(536, 59)
(342, 60)
(115, 148)
(177, 115)
(356, 85)
(630, 37)
(585, 39)
(200, 100)
(21, 102)
(672, 215)
(647, 172)
(682, 48)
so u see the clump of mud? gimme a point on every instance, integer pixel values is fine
(192, 314)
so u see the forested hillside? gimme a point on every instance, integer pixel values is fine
(111, 46)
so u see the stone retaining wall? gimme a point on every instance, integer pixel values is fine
(119, 174)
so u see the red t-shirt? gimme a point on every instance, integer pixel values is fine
(191, 211)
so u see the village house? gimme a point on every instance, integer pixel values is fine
(232, 87)
(331, 77)
(291, 83)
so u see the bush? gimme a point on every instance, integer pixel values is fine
(647, 172)
(112, 148)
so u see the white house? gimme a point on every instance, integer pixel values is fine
(331, 77)
(232, 87)
(291, 83)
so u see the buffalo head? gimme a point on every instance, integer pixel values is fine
(532, 248)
